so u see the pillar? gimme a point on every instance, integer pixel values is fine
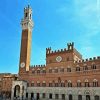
(35, 95)
(12, 94)
(83, 97)
(66, 97)
(92, 97)
(60, 96)
(53, 96)
(40, 96)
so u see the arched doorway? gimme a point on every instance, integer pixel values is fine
(38, 96)
(70, 97)
(88, 97)
(96, 97)
(79, 97)
(17, 91)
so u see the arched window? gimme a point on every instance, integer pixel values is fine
(77, 68)
(62, 84)
(44, 71)
(38, 71)
(56, 84)
(69, 83)
(32, 84)
(50, 70)
(38, 83)
(79, 97)
(62, 70)
(70, 97)
(93, 66)
(44, 84)
(96, 97)
(56, 70)
(95, 83)
(50, 84)
(78, 83)
(68, 69)
(85, 67)
(87, 83)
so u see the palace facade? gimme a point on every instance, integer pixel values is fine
(65, 76)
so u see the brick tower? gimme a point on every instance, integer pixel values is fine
(27, 25)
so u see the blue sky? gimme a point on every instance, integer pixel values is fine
(57, 22)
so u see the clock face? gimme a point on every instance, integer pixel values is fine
(22, 65)
(59, 58)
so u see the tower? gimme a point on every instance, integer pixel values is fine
(25, 52)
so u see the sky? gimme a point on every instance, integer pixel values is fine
(57, 22)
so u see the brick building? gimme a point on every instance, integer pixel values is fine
(6, 83)
(65, 76)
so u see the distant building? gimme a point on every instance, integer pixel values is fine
(6, 83)
(66, 76)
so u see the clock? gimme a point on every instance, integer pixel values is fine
(22, 65)
(58, 59)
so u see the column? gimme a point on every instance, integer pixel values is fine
(66, 97)
(12, 94)
(83, 97)
(29, 96)
(20, 92)
(92, 97)
(40, 96)
(35, 95)
(53, 96)
(60, 96)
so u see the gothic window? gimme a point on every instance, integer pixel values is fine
(56, 96)
(78, 83)
(50, 96)
(62, 84)
(95, 83)
(79, 97)
(56, 70)
(44, 84)
(63, 96)
(50, 70)
(69, 84)
(96, 97)
(68, 69)
(93, 66)
(43, 95)
(38, 84)
(77, 68)
(25, 14)
(87, 83)
(56, 84)
(32, 84)
(85, 68)
(50, 85)
(62, 70)
(38, 71)
(44, 71)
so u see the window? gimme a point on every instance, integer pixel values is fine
(70, 97)
(87, 83)
(33, 72)
(44, 71)
(38, 84)
(25, 14)
(50, 70)
(95, 83)
(43, 84)
(85, 67)
(62, 84)
(79, 97)
(50, 96)
(93, 66)
(69, 84)
(32, 84)
(38, 71)
(56, 70)
(56, 85)
(63, 96)
(96, 97)
(77, 68)
(78, 83)
(62, 70)
(26, 95)
(56, 96)
(68, 69)
(43, 95)
(50, 84)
